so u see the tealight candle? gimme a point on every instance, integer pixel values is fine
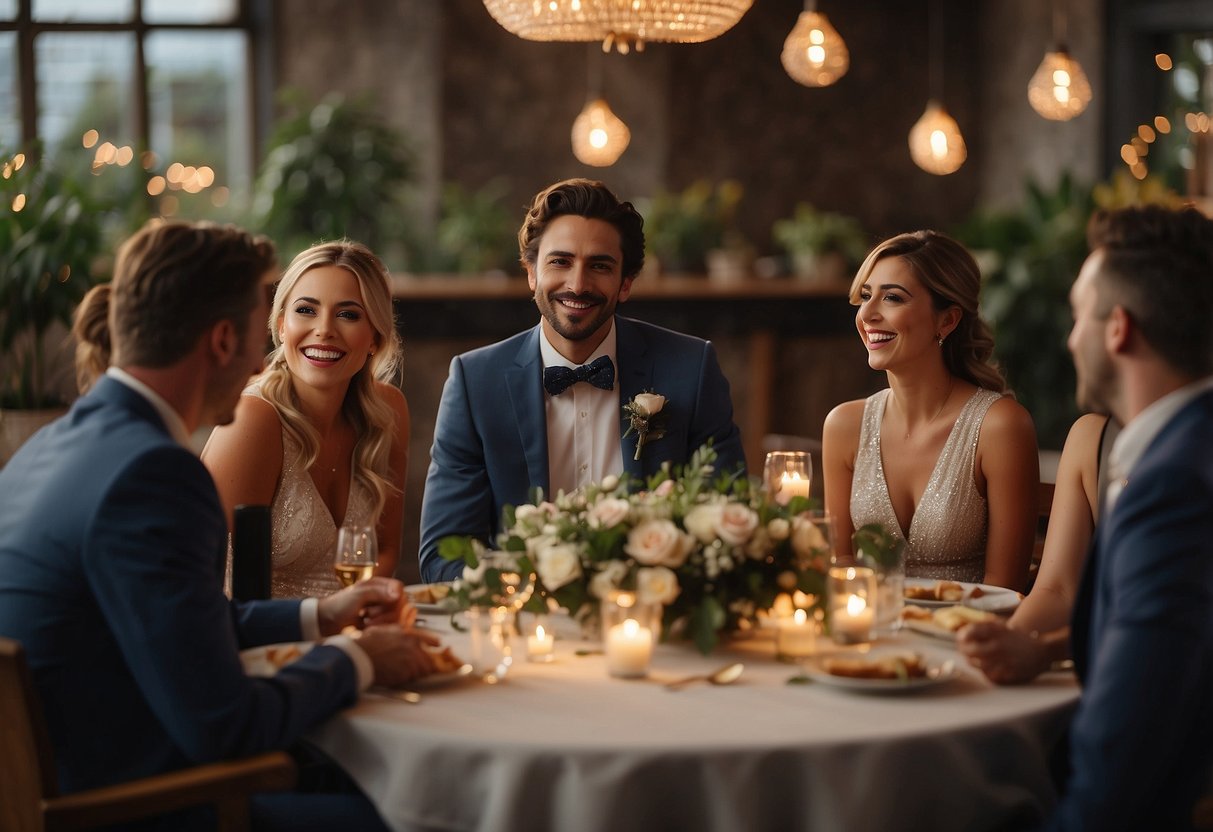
(540, 646)
(782, 608)
(796, 636)
(853, 622)
(629, 648)
(792, 485)
(852, 594)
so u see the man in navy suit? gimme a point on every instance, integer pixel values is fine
(112, 548)
(545, 407)
(1142, 740)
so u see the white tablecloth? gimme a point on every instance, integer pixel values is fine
(563, 746)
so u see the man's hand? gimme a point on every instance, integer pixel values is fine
(365, 604)
(1007, 656)
(399, 655)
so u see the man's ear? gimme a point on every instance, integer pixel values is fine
(530, 276)
(625, 288)
(1118, 330)
(224, 342)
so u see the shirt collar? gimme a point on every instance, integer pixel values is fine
(172, 419)
(1139, 433)
(552, 358)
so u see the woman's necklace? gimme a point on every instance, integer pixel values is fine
(942, 405)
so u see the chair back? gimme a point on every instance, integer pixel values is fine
(27, 768)
(251, 553)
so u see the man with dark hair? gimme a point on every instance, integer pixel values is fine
(544, 408)
(112, 544)
(1142, 740)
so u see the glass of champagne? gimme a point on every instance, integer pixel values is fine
(357, 554)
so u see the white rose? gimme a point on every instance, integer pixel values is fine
(807, 539)
(607, 512)
(760, 544)
(656, 584)
(701, 521)
(558, 565)
(658, 543)
(608, 578)
(779, 529)
(609, 483)
(474, 576)
(665, 489)
(736, 523)
(649, 404)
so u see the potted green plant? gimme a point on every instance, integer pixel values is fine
(475, 234)
(334, 169)
(681, 228)
(51, 234)
(824, 247)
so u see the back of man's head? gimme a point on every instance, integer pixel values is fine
(593, 200)
(1158, 265)
(175, 280)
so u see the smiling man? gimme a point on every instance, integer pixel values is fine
(545, 407)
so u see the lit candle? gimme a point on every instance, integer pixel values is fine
(540, 646)
(782, 608)
(853, 621)
(796, 636)
(791, 484)
(629, 647)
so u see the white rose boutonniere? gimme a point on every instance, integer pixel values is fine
(645, 418)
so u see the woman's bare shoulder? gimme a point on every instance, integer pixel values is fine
(844, 419)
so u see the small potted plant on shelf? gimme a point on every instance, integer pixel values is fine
(693, 231)
(51, 235)
(825, 247)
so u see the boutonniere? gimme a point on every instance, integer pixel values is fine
(645, 417)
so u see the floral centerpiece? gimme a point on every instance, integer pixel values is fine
(707, 545)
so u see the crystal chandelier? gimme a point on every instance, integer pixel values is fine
(622, 24)
(814, 53)
(936, 145)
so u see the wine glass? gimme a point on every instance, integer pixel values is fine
(786, 474)
(357, 554)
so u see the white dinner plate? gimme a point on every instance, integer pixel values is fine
(991, 599)
(268, 659)
(446, 605)
(927, 627)
(939, 672)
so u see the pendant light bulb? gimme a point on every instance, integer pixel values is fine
(1059, 89)
(599, 136)
(936, 145)
(814, 54)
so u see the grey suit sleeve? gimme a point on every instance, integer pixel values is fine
(458, 498)
(713, 418)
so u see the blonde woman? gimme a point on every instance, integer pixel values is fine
(943, 457)
(321, 435)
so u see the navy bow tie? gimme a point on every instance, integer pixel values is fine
(600, 372)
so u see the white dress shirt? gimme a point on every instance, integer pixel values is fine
(1139, 433)
(584, 424)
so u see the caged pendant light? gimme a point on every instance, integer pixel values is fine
(599, 136)
(814, 54)
(936, 144)
(1059, 89)
(622, 24)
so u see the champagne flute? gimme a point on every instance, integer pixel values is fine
(357, 554)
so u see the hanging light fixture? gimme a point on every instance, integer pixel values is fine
(599, 136)
(1059, 89)
(622, 24)
(814, 53)
(936, 144)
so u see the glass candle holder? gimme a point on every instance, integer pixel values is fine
(796, 636)
(851, 591)
(491, 650)
(540, 641)
(630, 628)
(786, 474)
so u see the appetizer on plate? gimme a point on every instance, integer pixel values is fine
(936, 591)
(887, 666)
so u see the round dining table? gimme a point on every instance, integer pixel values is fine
(565, 746)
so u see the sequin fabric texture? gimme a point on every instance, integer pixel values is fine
(947, 538)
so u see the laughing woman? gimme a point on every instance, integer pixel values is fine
(321, 436)
(943, 458)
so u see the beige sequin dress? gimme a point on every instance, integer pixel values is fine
(947, 538)
(304, 534)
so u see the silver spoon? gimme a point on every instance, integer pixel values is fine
(410, 696)
(726, 675)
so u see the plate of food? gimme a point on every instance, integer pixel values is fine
(268, 659)
(882, 672)
(431, 598)
(943, 622)
(925, 592)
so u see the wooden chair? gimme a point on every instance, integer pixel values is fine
(32, 802)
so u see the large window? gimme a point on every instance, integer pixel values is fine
(149, 96)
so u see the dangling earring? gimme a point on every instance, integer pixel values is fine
(941, 340)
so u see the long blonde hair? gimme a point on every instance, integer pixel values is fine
(952, 277)
(373, 418)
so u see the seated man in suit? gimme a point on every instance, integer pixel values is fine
(544, 408)
(112, 543)
(1142, 740)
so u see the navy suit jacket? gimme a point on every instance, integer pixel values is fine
(1142, 739)
(112, 541)
(490, 437)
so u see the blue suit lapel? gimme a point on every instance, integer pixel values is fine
(524, 381)
(635, 376)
